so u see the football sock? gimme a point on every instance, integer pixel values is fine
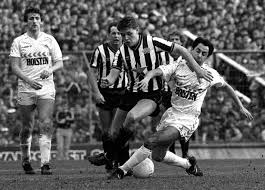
(25, 148)
(122, 138)
(124, 154)
(124, 135)
(184, 147)
(172, 159)
(107, 143)
(45, 149)
(139, 155)
(172, 148)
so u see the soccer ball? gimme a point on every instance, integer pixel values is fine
(144, 169)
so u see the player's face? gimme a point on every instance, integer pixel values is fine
(115, 35)
(34, 22)
(130, 36)
(200, 53)
(175, 39)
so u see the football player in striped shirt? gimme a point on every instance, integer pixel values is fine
(165, 59)
(34, 57)
(181, 120)
(138, 55)
(101, 63)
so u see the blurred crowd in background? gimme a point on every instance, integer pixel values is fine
(82, 25)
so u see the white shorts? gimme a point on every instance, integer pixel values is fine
(185, 124)
(31, 98)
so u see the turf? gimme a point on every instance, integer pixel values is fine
(218, 174)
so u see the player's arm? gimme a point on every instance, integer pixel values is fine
(114, 72)
(57, 65)
(15, 61)
(237, 101)
(143, 84)
(201, 73)
(93, 82)
(57, 60)
(111, 78)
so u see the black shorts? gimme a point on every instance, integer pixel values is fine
(130, 99)
(112, 98)
(166, 99)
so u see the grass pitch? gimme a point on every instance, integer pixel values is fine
(218, 174)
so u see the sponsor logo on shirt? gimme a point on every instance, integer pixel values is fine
(189, 95)
(37, 61)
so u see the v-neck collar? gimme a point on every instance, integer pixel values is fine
(111, 48)
(40, 34)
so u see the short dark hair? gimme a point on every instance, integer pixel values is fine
(111, 25)
(205, 42)
(128, 22)
(31, 10)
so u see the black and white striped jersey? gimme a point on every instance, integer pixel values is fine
(102, 59)
(140, 59)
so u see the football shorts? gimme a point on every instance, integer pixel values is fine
(185, 124)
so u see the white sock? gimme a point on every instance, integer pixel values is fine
(173, 159)
(45, 149)
(25, 148)
(139, 155)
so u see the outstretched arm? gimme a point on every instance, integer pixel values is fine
(201, 73)
(143, 84)
(239, 104)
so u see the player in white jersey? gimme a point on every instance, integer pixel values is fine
(181, 120)
(165, 59)
(34, 57)
(137, 55)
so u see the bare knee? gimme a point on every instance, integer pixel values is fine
(25, 133)
(151, 142)
(46, 127)
(158, 155)
(130, 118)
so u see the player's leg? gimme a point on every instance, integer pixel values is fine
(184, 147)
(27, 115)
(27, 112)
(106, 117)
(45, 109)
(142, 109)
(159, 143)
(60, 143)
(108, 144)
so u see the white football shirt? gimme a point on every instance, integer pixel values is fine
(187, 93)
(36, 55)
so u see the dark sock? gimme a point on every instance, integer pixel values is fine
(108, 146)
(184, 147)
(124, 154)
(122, 138)
(172, 148)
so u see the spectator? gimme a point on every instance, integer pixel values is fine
(64, 131)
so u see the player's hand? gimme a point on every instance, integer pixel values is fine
(207, 75)
(99, 98)
(104, 83)
(245, 112)
(34, 84)
(143, 84)
(45, 74)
